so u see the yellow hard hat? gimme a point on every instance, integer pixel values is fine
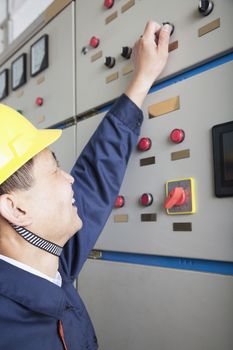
(20, 141)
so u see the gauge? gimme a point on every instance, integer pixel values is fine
(4, 84)
(39, 55)
(18, 72)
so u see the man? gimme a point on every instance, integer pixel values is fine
(50, 220)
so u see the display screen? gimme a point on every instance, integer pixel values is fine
(3, 84)
(223, 159)
(18, 72)
(227, 139)
(39, 55)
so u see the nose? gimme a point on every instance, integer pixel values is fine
(68, 177)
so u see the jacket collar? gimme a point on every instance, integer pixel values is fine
(31, 291)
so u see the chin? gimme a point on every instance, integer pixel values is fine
(78, 225)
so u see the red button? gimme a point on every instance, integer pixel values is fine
(108, 3)
(177, 135)
(144, 144)
(177, 197)
(94, 42)
(146, 199)
(120, 202)
(39, 101)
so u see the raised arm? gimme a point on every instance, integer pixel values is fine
(100, 169)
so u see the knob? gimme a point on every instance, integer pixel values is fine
(84, 50)
(126, 52)
(177, 197)
(120, 202)
(177, 135)
(108, 3)
(146, 199)
(94, 42)
(110, 62)
(172, 25)
(144, 144)
(205, 7)
(39, 101)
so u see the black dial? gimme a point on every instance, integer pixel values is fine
(4, 84)
(126, 52)
(110, 62)
(39, 55)
(172, 25)
(205, 7)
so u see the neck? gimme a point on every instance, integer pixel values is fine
(14, 246)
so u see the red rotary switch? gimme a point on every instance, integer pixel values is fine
(177, 197)
(146, 199)
(120, 202)
(39, 101)
(108, 3)
(144, 144)
(94, 42)
(177, 135)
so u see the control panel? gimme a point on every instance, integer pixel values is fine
(167, 203)
(106, 32)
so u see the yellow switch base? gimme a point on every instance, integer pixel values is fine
(189, 207)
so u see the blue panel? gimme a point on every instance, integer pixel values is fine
(188, 74)
(210, 266)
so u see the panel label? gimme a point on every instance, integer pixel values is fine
(164, 107)
(147, 161)
(111, 17)
(209, 27)
(127, 69)
(96, 56)
(127, 6)
(121, 218)
(173, 46)
(185, 153)
(182, 226)
(111, 77)
(148, 217)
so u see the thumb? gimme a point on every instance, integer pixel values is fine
(164, 37)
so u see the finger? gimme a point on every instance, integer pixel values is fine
(164, 37)
(150, 30)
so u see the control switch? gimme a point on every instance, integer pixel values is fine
(110, 62)
(180, 197)
(146, 199)
(120, 202)
(126, 52)
(108, 3)
(205, 7)
(144, 144)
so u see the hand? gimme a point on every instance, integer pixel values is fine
(150, 54)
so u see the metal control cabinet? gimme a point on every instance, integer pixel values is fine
(144, 307)
(211, 226)
(56, 84)
(196, 38)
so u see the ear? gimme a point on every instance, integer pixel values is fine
(10, 211)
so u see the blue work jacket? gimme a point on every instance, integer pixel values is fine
(36, 314)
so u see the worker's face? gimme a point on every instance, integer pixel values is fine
(50, 201)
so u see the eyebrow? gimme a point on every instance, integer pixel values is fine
(55, 158)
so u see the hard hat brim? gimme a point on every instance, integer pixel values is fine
(42, 139)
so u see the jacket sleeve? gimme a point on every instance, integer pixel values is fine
(98, 174)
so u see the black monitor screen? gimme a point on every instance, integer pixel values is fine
(223, 159)
(228, 155)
